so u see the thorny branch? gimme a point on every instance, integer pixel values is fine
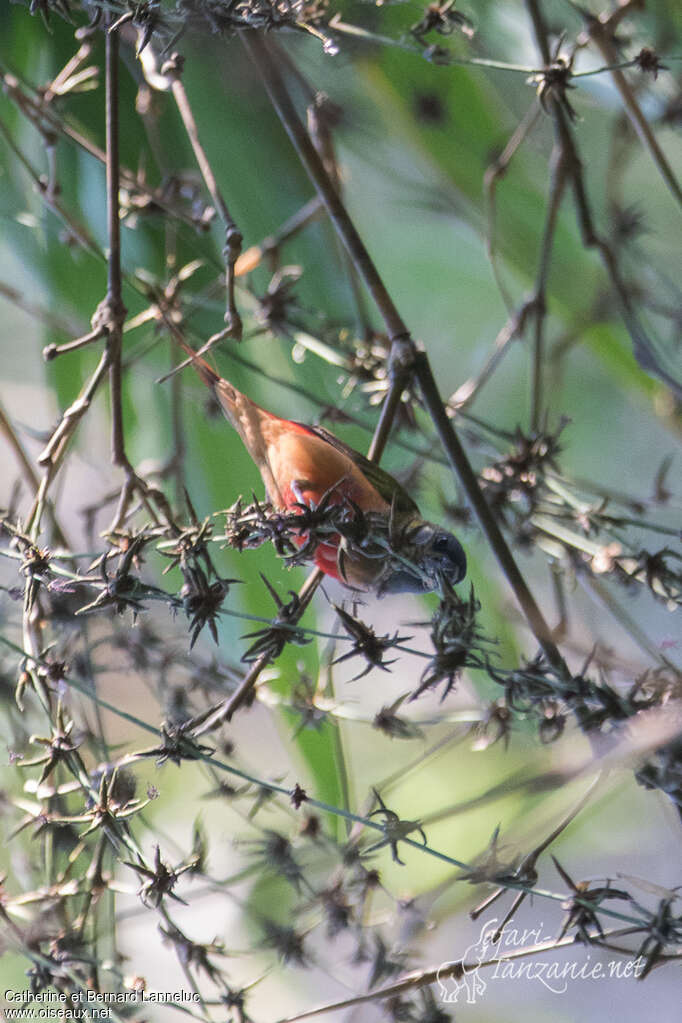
(233, 236)
(554, 96)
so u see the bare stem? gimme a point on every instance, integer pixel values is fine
(53, 453)
(497, 169)
(29, 472)
(51, 352)
(78, 231)
(539, 300)
(462, 467)
(457, 969)
(643, 346)
(208, 720)
(233, 236)
(601, 34)
(257, 49)
(115, 310)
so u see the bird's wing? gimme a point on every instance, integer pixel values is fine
(382, 481)
(260, 431)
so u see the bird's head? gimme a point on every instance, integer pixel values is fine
(436, 554)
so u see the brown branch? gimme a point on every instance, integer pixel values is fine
(75, 229)
(600, 31)
(558, 178)
(17, 447)
(53, 453)
(462, 468)
(526, 869)
(269, 247)
(493, 174)
(321, 116)
(535, 305)
(112, 311)
(115, 310)
(256, 47)
(466, 392)
(36, 113)
(29, 473)
(51, 352)
(215, 716)
(643, 347)
(233, 236)
(455, 970)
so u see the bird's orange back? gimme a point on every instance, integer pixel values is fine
(294, 461)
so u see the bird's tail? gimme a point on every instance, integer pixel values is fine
(228, 395)
(252, 423)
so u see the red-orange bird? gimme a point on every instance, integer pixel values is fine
(301, 464)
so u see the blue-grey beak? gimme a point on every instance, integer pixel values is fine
(438, 554)
(447, 552)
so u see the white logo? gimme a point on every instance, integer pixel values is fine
(492, 957)
(467, 977)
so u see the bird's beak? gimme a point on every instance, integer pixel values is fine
(439, 553)
(439, 561)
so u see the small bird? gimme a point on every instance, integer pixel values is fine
(302, 465)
